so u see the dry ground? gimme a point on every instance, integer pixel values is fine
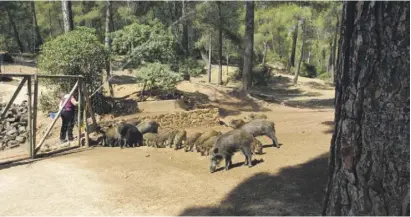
(147, 181)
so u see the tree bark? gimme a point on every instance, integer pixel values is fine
(220, 45)
(107, 44)
(335, 50)
(370, 151)
(330, 64)
(50, 25)
(294, 46)
(228, 58)
(309, 57)
(108, 24)
(210, 48)
(248, 45)
(185, 29)
(264, 53)
(67, 15)
(39, 40)
(297, 71)
(15, 31)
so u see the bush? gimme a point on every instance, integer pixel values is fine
(158, 76)
(143, 43)
(308, 70)
(324, 76)
(77, 52)
(49, 102)
(191, 67)
(261, 75)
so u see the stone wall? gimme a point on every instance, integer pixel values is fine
(184, 119)
(13, 129)
(195, 118)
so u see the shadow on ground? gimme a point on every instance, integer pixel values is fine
(123, 79)
(331, 126)
(295, 190)
(43, 156)
(312, 103)
(239, 103)
(281, 89)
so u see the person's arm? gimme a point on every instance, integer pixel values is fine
(74, 101)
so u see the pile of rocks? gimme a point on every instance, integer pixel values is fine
(177, 120)
(194, 118)
(14, 128)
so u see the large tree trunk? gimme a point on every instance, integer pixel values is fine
(67, 15)
(185, 29)
(107, 43)
(220, 45)
(39, 40)
(297, 71)
(15, 30)
(248, 45)
(108, 24)
(264, 52)
(210, 48)
(50, 25)
(370, 147)
(335, 51)
(291, 61)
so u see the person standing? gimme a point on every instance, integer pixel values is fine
(67, 117)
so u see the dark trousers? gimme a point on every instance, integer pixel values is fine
(67, 125)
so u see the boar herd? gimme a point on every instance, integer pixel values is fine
(211, 143)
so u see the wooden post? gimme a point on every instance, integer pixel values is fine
(86, 103)
(16, 92)
(34, 125)
(89, 107)
(30, 116)
(79, 90)
(55, 119)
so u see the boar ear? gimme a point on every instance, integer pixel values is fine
(215, 150)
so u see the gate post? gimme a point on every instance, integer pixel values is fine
(30, 116)
(34, 126)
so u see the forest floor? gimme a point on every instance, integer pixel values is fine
(147, 181)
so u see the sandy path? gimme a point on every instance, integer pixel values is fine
(147, 181)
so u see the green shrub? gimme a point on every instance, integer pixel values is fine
(158, 76)
(324, 76)
(191, 67)
(77, 52)
(261, 75)
(308, 70)
(144, 44)
(49, 102)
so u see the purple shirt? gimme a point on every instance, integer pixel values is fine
(69, 106)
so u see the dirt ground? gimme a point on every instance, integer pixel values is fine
(147, 181)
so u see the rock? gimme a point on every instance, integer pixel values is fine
(11, 132)
(20, 139)
(9, 137)
(9, 114)
(13, 144)
(25, 134)
(12, 120)
(22, 129)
